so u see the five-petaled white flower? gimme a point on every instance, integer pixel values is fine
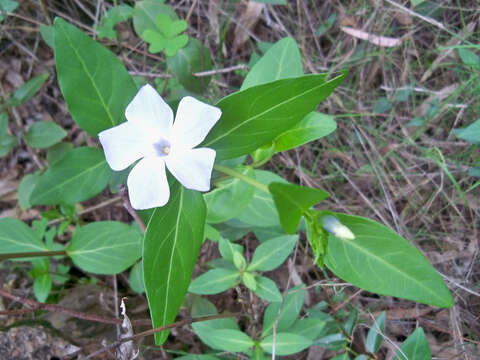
(151, 135)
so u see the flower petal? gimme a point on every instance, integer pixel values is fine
(124, 144)
(193, 167)
(193, 121)
(147, 184)
(148, 109)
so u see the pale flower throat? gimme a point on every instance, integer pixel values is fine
(162, 147)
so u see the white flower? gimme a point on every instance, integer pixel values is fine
(151, 135)
(336, 228)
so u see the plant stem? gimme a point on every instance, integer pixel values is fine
(32, 254)
(247, 179)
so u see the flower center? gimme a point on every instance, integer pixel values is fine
(162, 147)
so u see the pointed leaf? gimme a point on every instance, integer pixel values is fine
(267, 289)
(312, 127)
(172, 241)
(80, 175)
(285, 343)
(105, 247)
(231, 340)
(272, 253)
(43, 134)
(28, 90)
(376, 334)
(16, 236)
(281, 61)
(381, 261)
(95, 84)
(263, 112)
(415, 347)
(292, 201)
(214, 281)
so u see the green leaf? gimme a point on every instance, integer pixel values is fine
(249, 281)
(272, 253)
(351, 322)
(48, 35)
(204, 329)
(80, 175)
(263, 112)
(310, 328)
(322, 29)
(56, 152)
(375, 334)
(381, 261)
(267, 289)
(7, 142)
(469, 57)
(25, 189)
(172, 241)
(281, 61)
(28, 90)
(285, 343)
(214, 281)
(239, 261)
(42, 281)
(168, 37)
(261, 210)
(292, 201)
(382, 105)
(231, 340)
(229, 197)
(7, 6)
(192, 58)
(105, 247)
(286, 312)
(146, 12)
(415, 347)
(95, 84)
(343, 356)
(471, 133)
(113, 16)
(135, 279)
(43, 134)
(17, 237)
(312, 127)
(227, 249)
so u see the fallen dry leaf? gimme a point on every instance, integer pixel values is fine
(382, 41)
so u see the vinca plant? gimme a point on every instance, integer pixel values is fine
(191, 165)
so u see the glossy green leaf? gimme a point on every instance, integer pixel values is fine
(7, 141)
(56, 152)
(272, 253)
(214, 281)
(172, 241)
(146, 12)
(231, 340)
(43, 134)
(94, 83)
(80, 175)
(471, 133)
(376, 334)
(239, 261)
(16, 237)
(415, 347)
(313, 126)
(289, 310)
(249, 281)
(28, 89)
(294, 200)
(351, 322)
(105, 247)
(115, 15)
(256, 116)
(261, 210)
(381, 261)
(281, 61)
(48, 35)
(204, 329)
(25, 189)
(286, 343)
(229, 197)
(192, 58)
(135, 279)
(267, 289)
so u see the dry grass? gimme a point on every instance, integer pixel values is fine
(381, 163)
